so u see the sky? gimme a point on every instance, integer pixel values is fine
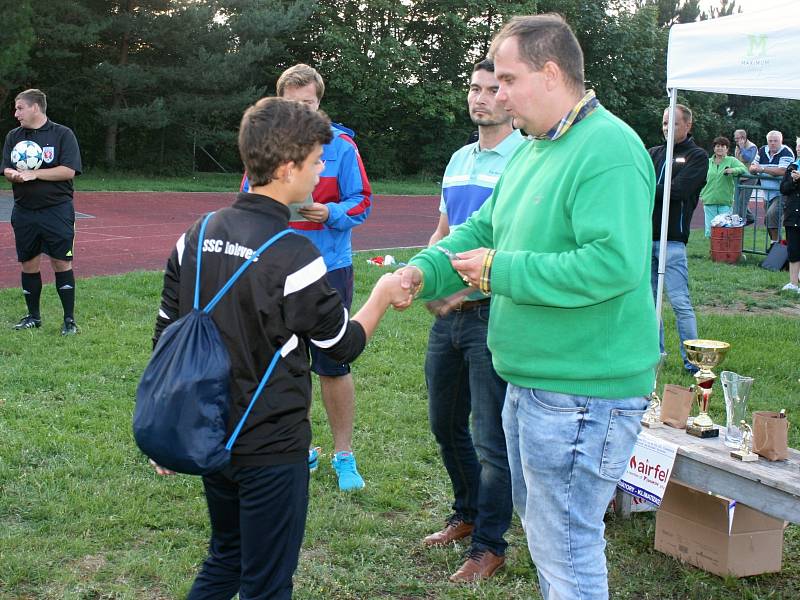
(747, 6)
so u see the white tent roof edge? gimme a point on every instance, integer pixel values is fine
(752, 54)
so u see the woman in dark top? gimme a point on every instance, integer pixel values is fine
(790, 187)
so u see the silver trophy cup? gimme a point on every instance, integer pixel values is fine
(736, 389)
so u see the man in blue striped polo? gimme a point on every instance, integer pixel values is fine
(458, 366)
(772, 159)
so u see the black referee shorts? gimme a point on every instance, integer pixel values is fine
(49, 230)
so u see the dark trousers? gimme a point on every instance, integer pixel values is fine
(462, 382)
(258, 517)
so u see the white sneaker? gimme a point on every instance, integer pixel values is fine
(790, 287)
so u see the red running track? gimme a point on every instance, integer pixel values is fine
(136, 231)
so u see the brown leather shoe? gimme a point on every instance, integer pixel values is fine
(456, 529)
(480, 564)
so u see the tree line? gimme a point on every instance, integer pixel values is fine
(160, 85)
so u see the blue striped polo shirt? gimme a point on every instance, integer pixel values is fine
(471, 175)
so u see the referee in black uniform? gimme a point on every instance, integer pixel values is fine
(43, 216)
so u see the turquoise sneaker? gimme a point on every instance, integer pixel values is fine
(313, 458)
(344, 463)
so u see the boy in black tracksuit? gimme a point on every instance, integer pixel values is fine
(258, 504)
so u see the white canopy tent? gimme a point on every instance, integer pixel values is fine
(752, 54)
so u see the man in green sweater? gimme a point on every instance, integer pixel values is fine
(563, 245)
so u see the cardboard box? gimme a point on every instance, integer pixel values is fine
(717, 534)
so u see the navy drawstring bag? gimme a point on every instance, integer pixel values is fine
(183, 398)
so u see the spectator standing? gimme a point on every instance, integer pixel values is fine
(341, 201)
(717, 195)
(745, 149)
(745, 152)
(772, 159)
(689, 168)
(790, 188)
(43, 217)
(458, 365)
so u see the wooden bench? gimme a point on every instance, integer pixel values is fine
(706, 464)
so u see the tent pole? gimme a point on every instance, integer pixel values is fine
(667, 181)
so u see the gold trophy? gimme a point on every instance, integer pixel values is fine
(705, 355)
(744, 453)
(652, 416)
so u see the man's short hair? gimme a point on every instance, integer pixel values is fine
(487, 64)
(544, 38)
(686, 112)
(275, 131)
(33, 96)
(722, 141)
(777, 134)
(300, 76)
(741, 132)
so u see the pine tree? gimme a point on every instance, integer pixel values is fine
(16, 40)
(158, 73)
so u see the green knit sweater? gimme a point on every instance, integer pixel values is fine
(572, 309)
(719, 187)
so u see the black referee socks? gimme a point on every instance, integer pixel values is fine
(32, 290)
(65, 286)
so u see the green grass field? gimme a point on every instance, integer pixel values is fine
(94, 180)
(82, 516)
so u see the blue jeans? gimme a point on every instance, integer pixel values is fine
(461, 380)
(676, 286)
(566, 455)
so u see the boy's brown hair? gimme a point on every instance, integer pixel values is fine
(275, 131)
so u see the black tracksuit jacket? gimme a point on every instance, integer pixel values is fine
(283, 297)
(689, 170)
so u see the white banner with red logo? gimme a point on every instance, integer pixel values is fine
(649, 468)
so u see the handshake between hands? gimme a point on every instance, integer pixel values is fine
(398, 289)
(402, 286)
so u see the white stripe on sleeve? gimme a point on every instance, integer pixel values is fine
(179, 247)
(289, 346)
(311, 273)
(163, 315)
(333, 341)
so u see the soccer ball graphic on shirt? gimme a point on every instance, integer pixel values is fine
(27, 156)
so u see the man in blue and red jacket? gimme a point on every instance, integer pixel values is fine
(342, 200)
